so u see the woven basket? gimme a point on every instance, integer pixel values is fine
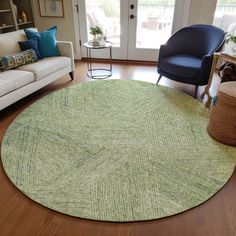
(222, 122)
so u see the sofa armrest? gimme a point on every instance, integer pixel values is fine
(66, 49)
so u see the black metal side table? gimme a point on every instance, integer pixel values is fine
(98, 73)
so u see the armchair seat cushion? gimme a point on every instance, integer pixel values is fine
(183, 66)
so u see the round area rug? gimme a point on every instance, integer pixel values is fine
(116, 150)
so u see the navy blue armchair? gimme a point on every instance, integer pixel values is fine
(187, 55)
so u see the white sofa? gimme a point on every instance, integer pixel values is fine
(24, 80)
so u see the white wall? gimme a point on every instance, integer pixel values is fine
(202, 11)
(65, 25)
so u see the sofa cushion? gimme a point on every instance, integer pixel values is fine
(8, 42)
(47, 66)
(31, 44)
(13, 79)
(47, 41)
(18, 59)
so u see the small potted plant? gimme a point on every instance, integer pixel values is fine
(231, 39)
(95, 31)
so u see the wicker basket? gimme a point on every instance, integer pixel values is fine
(222, 122)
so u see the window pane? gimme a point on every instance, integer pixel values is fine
(154, 23)
(106, 14)
(225, 13)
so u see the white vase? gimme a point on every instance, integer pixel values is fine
(95, 42)
(102, 41)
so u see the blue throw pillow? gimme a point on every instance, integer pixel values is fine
(47, 41)
(31, 44)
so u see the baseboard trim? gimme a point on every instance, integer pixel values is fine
(117, 61)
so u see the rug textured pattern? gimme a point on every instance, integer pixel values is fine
(116, 150)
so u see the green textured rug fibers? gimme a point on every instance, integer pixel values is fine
(116, 150)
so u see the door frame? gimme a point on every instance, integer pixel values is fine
(118, 53)
(77, 46)
(180, 19)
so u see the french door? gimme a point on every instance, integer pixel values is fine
(136, 28)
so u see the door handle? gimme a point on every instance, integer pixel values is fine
(77, 7)
(132, 17)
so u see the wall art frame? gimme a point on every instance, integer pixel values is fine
(51, 8)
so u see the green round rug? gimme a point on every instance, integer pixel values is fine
(116, 150)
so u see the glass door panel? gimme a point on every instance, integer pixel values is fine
(225, 18)
(136, 28)
(150, 25)
(154, 23)
(110, 15)
(225, 13)
(106, 14)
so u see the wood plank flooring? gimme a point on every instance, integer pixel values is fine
(20, 216)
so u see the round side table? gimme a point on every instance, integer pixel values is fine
(222, 122)
(98, 73)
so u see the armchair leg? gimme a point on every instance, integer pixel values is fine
(196, 89)
(159, 79)
(72, 75)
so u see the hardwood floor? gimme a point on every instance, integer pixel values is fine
(20, 216)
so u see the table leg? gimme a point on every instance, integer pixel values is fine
(207, 89)
(98, 73)
(111, 59)
(90, 70)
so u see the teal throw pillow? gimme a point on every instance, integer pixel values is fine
(47, 41)
(18, 59)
